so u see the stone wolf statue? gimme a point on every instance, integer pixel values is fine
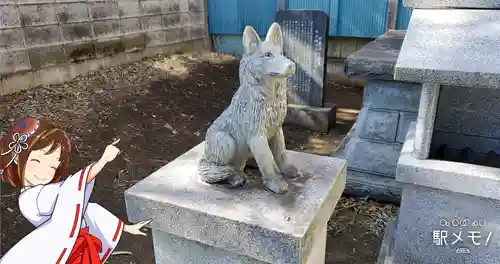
(252, 123)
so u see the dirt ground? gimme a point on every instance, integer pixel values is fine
(160, 107)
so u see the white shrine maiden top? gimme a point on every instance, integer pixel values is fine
(59, 211)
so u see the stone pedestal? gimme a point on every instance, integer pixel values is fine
(449, 164)
(372, 148)
(450, 198)
(197, 223)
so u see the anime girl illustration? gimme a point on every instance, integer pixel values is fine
(68, 228)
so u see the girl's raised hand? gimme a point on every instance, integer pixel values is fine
(110, 152)
(135, 229)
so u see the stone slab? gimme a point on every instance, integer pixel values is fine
(250, 221)
(451, 47)
(377, 59)
(171, 249)
(371, 156)
(364, 184)
(405, 119)
(319, 119)
(425, 210)
(458, 177)
(305, 41)
(387, 246)
(381, 125)
(392, 95)
(483, 4)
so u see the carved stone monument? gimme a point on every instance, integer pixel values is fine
(305, 37)
(196, 222)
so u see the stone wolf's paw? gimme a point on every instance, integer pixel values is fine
(276, 185)
(292, 172)
(237, 180)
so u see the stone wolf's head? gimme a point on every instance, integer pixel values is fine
(264, 59)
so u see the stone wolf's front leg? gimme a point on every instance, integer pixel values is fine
(271, 174)
(278, 148)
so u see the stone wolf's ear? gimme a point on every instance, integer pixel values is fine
(250, 40)
(274, 35)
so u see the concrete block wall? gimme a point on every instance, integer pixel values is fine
(374, 148)
(38, 35)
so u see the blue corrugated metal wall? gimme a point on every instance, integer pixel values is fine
(403, 16)
(350, 18)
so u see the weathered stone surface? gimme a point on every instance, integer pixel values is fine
(378, 124)
(170, 6)
(196, 5)
(171, 20)
(426, 117)
(71, 12)
(152, 23)
(196, 18)
(370, 156)
(128, 8)
(377, 59)
(466, 111)
(41, 57)
(151, 7)
(364, 184)
(424, 210)
(108, 46)
(42, 35)
(103, 10)
(9, 16)
(155, 38)
(184, 19)
(42, 14)
(451, 47)
(134, 42)
(106, 28)
(387, 246)
(76, 52)
(199, 31)
(249, 221)
(457, 177)
(405, 119)
(173, 35)
(304, 42)
(130, 25)
(11, 38)
(319, 119)
(13, 61)
(483, 4)
(76, 31)
(392, 95)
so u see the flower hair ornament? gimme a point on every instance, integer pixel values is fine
(18, 143)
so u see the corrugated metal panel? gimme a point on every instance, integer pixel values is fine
(230, 44)
(323, 5)
(361, 18)
(260, 14)
(403, 18)
(223, 17)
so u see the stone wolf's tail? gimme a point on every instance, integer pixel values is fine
(212, 173)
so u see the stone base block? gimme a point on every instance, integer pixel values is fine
(440, 226)
(194, 222)
(387, 245)
(318, 119)
(365, 183)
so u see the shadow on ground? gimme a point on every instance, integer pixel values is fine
(160, 107)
